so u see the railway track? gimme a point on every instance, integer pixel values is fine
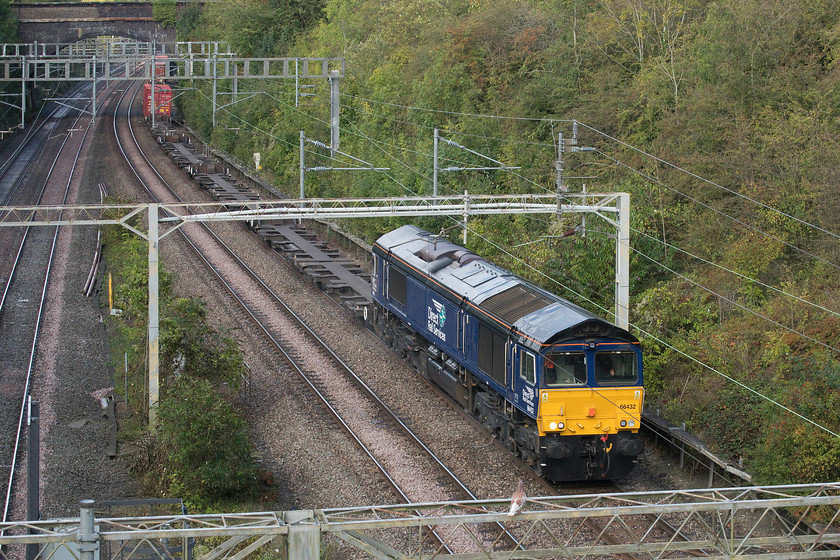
(319, 263)
(414, 472)
(40, 172)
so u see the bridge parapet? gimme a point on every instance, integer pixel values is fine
(73, 21)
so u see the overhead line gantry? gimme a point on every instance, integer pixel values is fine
(164, 218)
(35, 63)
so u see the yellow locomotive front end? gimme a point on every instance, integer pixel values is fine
(590, 411)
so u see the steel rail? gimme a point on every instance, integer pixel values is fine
(324, 346)
(254, 317)
(39, 316)
(41, 304)
(30, 133)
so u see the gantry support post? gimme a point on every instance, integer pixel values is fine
(466, 214)
(33, 491)
(24, 74)
(334, 112)
(154, 318)
(87, 539)
(558, 167)
(622, 263)
(304, 535)
(213, 62)
(435, 164)
(302, 164)
(152, 97)
(93, 101)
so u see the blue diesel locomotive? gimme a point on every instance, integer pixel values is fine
(561, 387)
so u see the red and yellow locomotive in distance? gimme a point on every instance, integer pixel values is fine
(163, 100)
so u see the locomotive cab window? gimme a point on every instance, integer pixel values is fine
(528, 367)
(615, 367)
(564, 368)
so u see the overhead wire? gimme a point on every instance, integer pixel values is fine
(460, 114)
(736, 273)
(707, 366)
(720, 212)
(568, 288)
(520, 176)
(666, 344)
(709, 181)
(733, 302)
(447, 130)
(618, 162)
(676, 248)
(271, 135)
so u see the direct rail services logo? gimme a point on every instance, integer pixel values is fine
(436, 319)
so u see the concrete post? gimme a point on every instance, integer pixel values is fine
(304, 535)
(622, 263)
(154, 327)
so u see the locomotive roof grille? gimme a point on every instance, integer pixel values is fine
(516, 302)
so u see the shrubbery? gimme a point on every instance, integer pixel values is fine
(201, 451)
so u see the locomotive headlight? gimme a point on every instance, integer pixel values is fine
(623, 423)
(561, 426)
(632, 423)
(552, 425)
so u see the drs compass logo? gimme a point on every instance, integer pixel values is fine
(436, 319)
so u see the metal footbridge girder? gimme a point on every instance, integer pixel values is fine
(773, 522)
(175, 67)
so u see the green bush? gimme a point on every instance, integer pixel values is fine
(191, 347)
(201, 451)
(205, 441)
